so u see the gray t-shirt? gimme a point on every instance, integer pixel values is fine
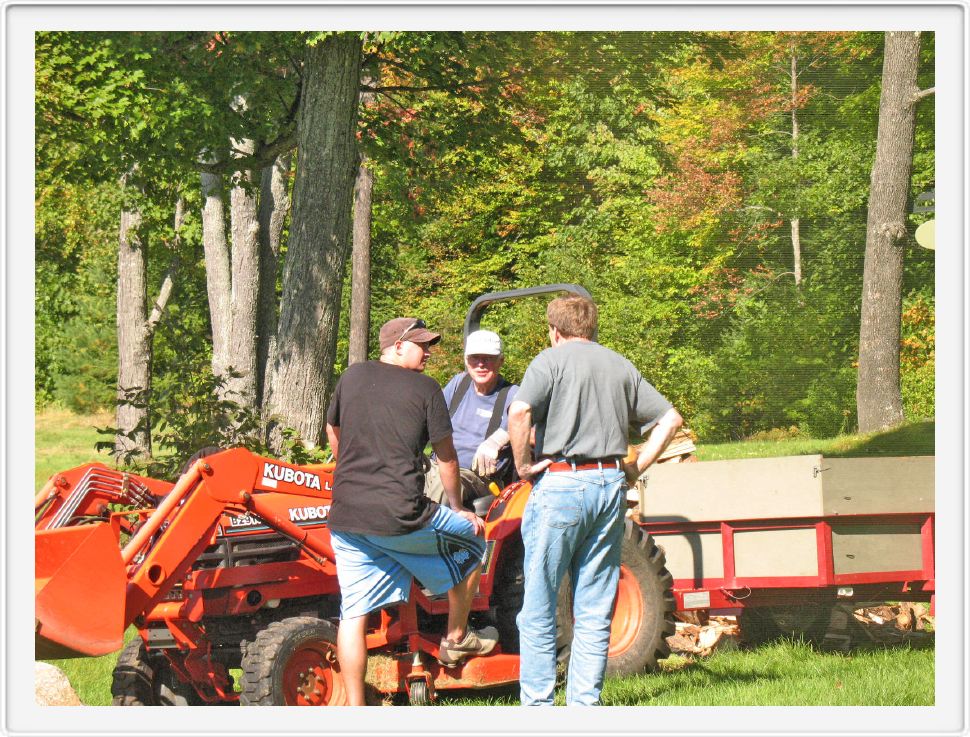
(586, 400)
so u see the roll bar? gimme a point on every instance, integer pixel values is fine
(474, 316)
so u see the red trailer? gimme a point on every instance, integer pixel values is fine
(782, 541)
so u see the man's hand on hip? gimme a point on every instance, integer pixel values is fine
(530, 471)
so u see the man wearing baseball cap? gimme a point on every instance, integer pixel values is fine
(478, 400)
(385, 532)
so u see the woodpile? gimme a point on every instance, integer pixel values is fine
(681, 448)
(892, 623)
(697, 634)
(51, 687)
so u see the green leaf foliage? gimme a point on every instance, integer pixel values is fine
(662, 171)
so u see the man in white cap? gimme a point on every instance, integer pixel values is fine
(478, 400)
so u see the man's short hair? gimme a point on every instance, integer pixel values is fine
(573, 316)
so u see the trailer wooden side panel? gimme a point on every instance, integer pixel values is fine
(878, 485)
(872, 548)
(749, 488)
(693, 555)
(761, 553)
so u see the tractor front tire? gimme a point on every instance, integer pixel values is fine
(140, 680)
(642, 613)
(293, 662)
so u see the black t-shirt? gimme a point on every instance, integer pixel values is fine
(386, 415)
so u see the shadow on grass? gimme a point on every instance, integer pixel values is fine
(645, 689)
(498, 696)
(915, 439)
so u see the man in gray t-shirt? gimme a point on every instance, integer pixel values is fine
(584, 400)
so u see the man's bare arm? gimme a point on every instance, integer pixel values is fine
(520, 434)
(660, 437)
(333, 435)
(447, 458)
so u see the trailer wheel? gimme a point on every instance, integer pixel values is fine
(141, 680)
(642, 613)
(812, 621)
(293, 662)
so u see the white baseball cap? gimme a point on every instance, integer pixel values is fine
(483, 343)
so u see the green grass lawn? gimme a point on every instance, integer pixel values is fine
(785, 673)
(913, 439)
(782, 673)
(64, 440)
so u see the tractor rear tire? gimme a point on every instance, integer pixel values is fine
(293, 662)
(643, 611)
(509, 590)
(509, 594)
(142, 680)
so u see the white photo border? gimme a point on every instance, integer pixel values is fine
(19, 715)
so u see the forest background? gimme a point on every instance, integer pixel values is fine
(196, 218)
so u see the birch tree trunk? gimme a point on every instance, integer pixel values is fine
(136, 329)
(274, 203)
(134, 353)
(878, 398)
(218, 273)
(245, 275)
(318, 246)
(796, 236)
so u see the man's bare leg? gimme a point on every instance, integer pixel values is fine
(352, 656)
(460, 603)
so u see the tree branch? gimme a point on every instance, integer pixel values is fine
(453, 87)
(263, 156)
(408, 88)
(761, 207)
(168, 283)
(924, 93)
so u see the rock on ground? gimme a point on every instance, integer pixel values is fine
(51, 687)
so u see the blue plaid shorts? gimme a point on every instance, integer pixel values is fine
(375, 571)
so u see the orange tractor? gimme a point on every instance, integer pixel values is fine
(231, 568)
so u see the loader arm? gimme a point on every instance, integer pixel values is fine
(83, 564)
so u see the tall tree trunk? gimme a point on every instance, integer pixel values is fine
(796, 236)
(244, 260)
(878, 398)
(274, 203)
(218, 273)
(134, 351)
(136, 329)
(302, 378)
(360, 266)
(360, 259)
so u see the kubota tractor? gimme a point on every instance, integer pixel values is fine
(231, 568)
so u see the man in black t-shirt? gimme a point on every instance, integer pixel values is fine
(383, 529)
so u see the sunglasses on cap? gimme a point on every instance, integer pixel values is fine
(409, 328)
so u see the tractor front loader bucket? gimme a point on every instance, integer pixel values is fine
(79, 592)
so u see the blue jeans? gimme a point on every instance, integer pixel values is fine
(573, 523)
